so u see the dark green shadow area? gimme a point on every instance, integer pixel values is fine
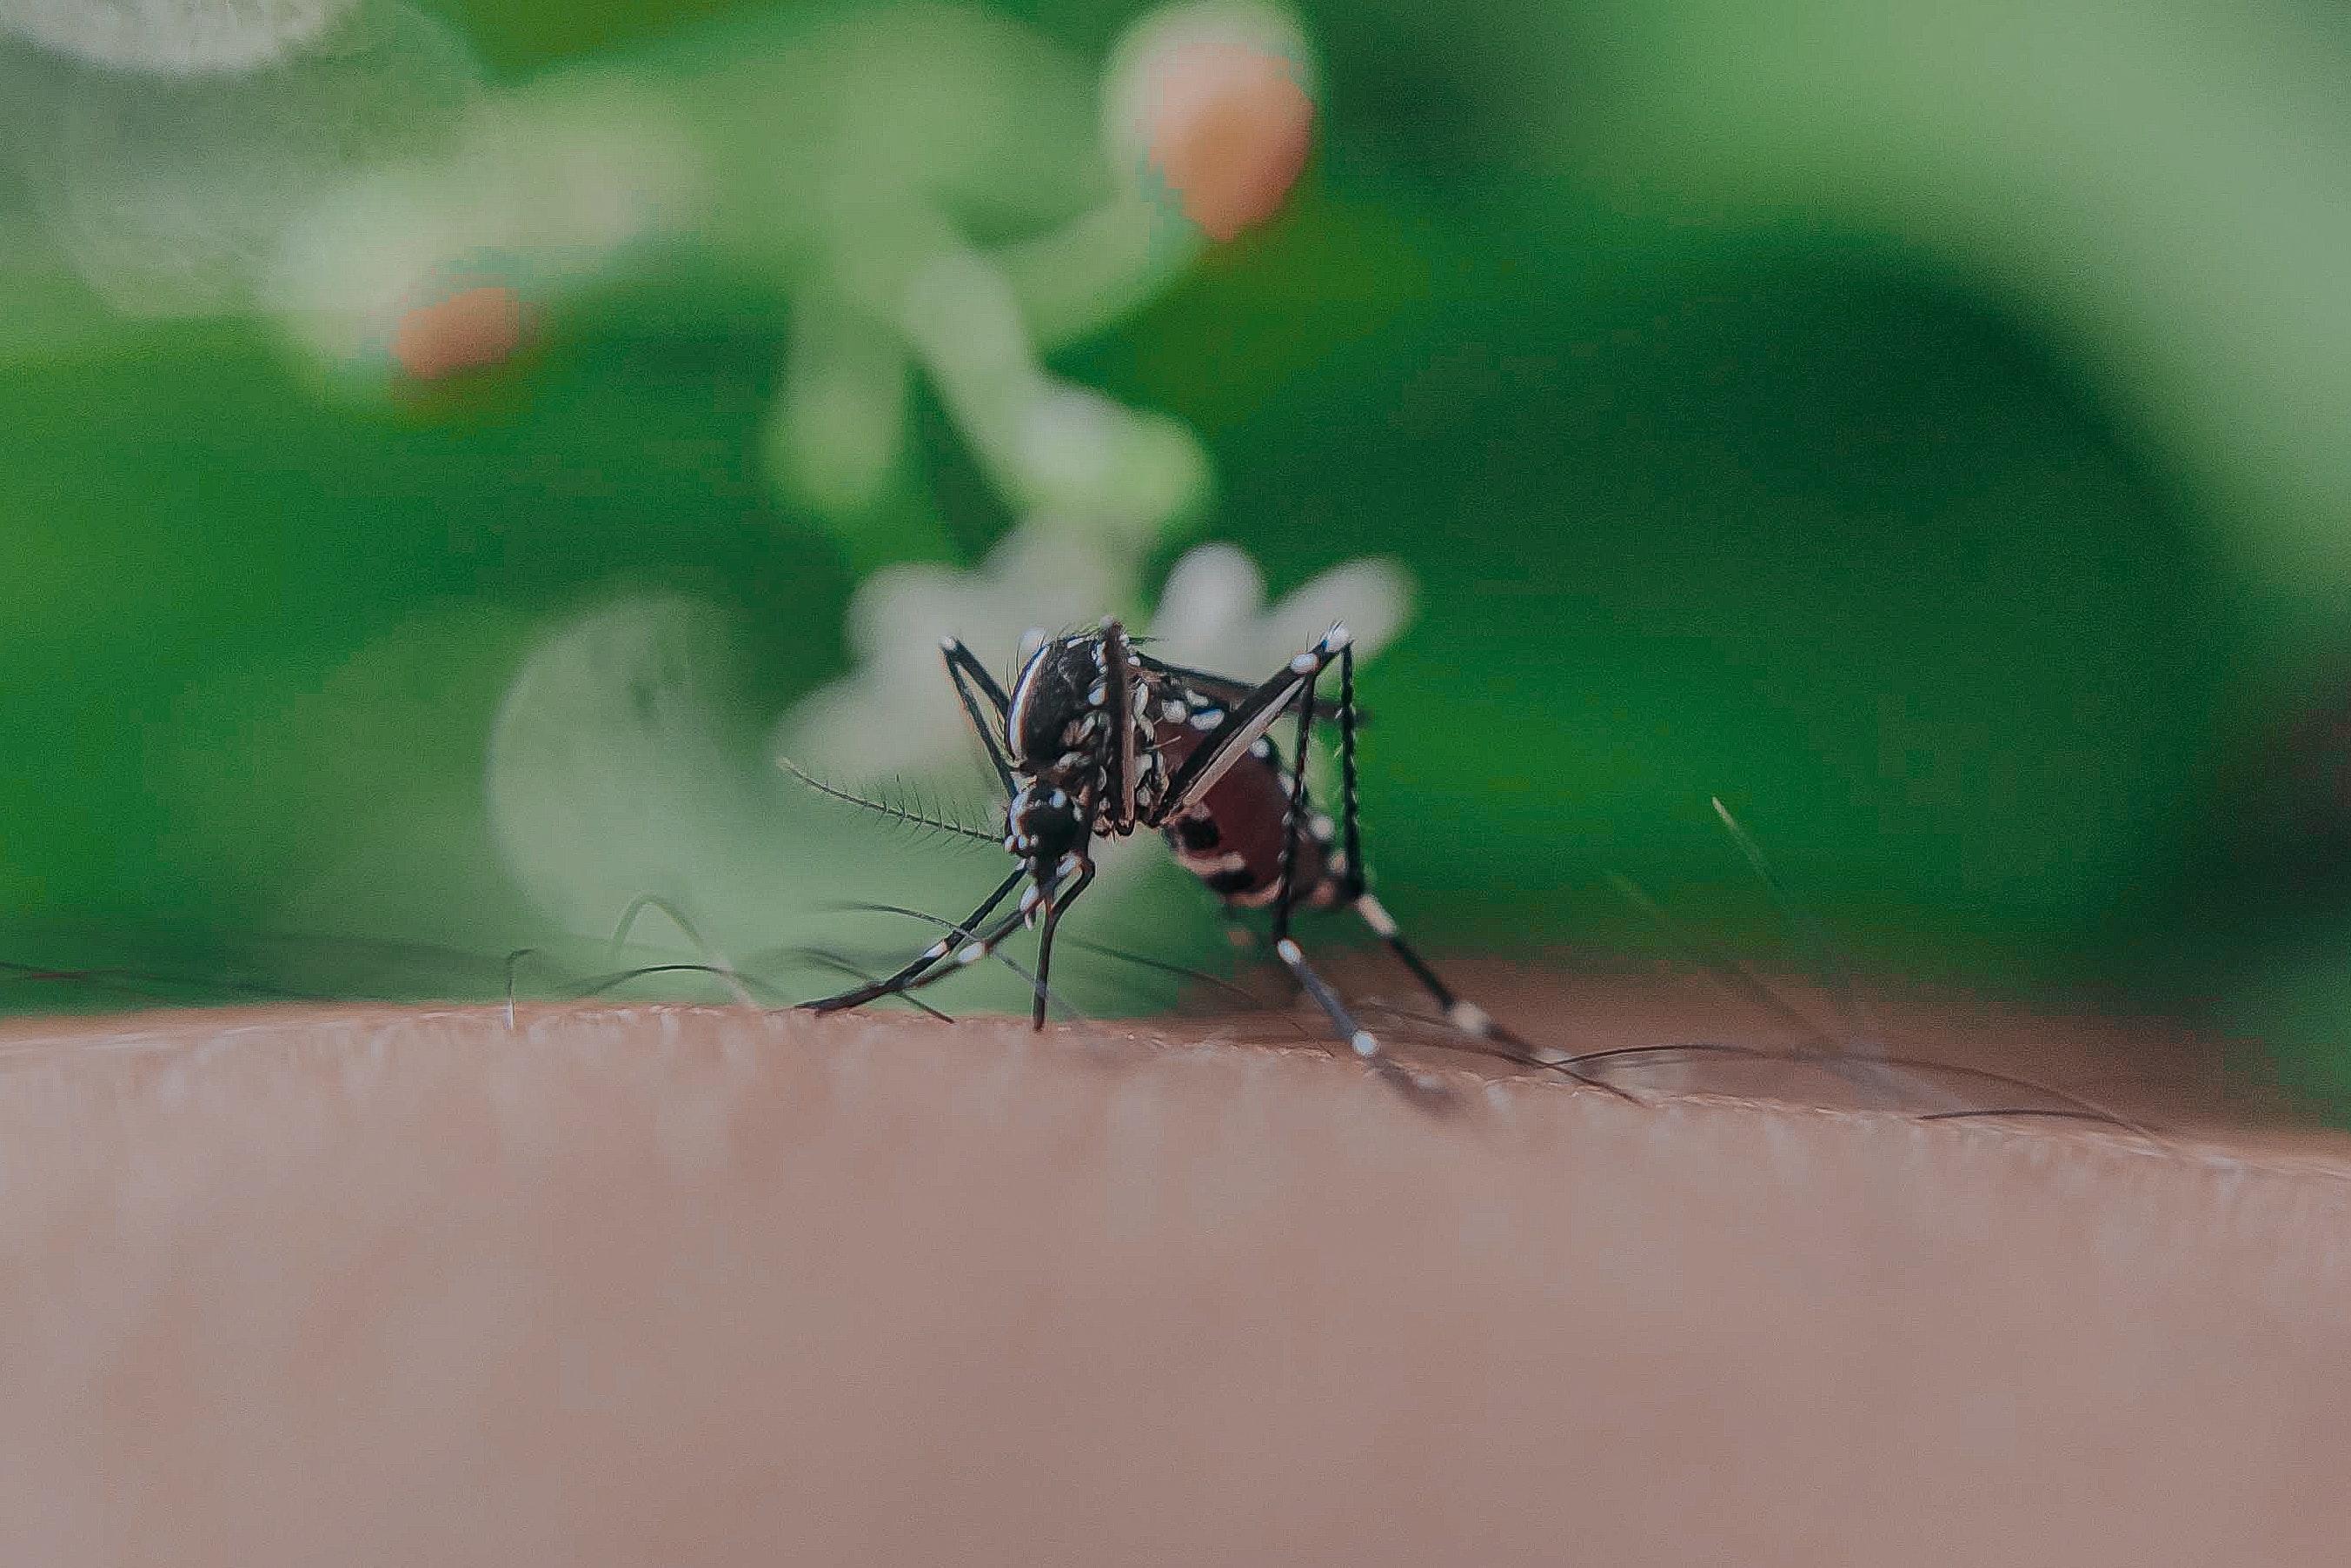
(1779, 517)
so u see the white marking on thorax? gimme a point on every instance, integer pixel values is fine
(1016, 717)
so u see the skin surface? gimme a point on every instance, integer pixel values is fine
(698, 1286)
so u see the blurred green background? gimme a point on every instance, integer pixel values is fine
(1928, 427)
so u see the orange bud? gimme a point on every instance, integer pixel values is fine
(468, 331)
(1216, 98)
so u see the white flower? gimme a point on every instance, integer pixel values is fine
(614, 770)
(171, 37)
(170, 194)
(1213, 614)
(898, 714)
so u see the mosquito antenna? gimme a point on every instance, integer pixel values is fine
(911, 815)
(963, 934)
(716, 960)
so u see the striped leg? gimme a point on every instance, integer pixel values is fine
(1045, 942)
(974, 685)
(982, 946)
(1360, 1039)
(926, 964)
(1463, 1015)
(1364, 1043)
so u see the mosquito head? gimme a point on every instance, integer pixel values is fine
(1042, 827)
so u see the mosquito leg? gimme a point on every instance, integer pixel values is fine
(1351, 844)
(1226, 691)
(1286, 883)
(1465, 1016)
(973, 683)
(981, 947)
(834, 961)
(1242, 724)
(924, 963)
(1468, 1017)
(1343, 1022)
(1365, 1044)
(1045, 942)
(974, 687)
(961, 658)
(962, 934)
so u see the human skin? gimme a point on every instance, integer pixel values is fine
(363, 1285)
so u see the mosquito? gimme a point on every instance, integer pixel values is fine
(1097, 739)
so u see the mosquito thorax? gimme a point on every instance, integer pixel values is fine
(1054, 702)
